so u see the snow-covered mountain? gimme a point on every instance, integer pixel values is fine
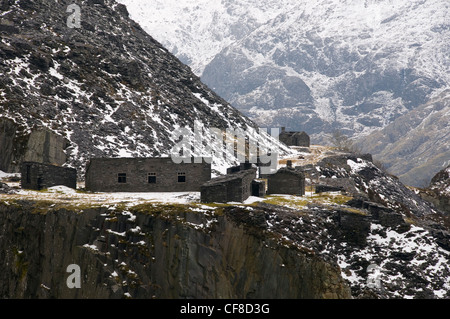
(316, 66)
(424, 144)
(107, 87)
(197, 30)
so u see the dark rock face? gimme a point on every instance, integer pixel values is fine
(107, 87)
(18, 145)
(155, 254)
(438, 192)
(358, 176)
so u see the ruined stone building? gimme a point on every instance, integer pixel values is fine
(292, 138)
(286, 180)
(39, 176)
(236, 186)
(159, 174)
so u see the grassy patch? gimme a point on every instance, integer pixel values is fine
(300, 202)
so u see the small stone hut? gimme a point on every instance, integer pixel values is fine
(157, 174)
(292, 138)
(234, 187)
(39, 176)
(286, 181)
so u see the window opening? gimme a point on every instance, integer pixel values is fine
(122, 178)
(181, 177)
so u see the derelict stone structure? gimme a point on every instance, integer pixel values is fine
(286, 181)
(39, 176)
(258, 188)
(294, 138)
(234, 187)
(159, 174)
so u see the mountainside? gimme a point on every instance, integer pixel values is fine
(424, 146)
(77, 84)
(358, 64)
(197, 30)
(438, 191)
(107, 87)
(316, 66)
(374, 239)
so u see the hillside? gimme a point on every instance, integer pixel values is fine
(105, 89)
(424, 146)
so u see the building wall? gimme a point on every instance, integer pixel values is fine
(39, 176)
(102, 175)
(258, 188)
(295, 139)
(235, 187)
(216, 193)
(284, 182)
(301, 139)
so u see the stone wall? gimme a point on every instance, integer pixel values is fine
(102, 175)
(286, 181)
(301, 139)
(41, 176)
(12, 145)
(235, 187)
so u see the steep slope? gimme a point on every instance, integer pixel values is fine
(322, 66)
(438, 191)
(107, 87)
(416, 145)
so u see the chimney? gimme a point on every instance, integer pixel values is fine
(283, 129)
(289, 164)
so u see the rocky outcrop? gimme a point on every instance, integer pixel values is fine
(44, 146)
(155, 252)
(438, 192)
(12, 144)
(18, 144)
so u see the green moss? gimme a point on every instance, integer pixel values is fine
(20, 264)
(42, 207)
(355, 211)
(164, 210)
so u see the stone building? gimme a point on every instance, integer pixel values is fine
(286, 181)
(292, 138)
(234, 187)
(145, 175)
(39, 176)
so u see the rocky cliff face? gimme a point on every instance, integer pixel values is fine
(424, 144)
(155, 252)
